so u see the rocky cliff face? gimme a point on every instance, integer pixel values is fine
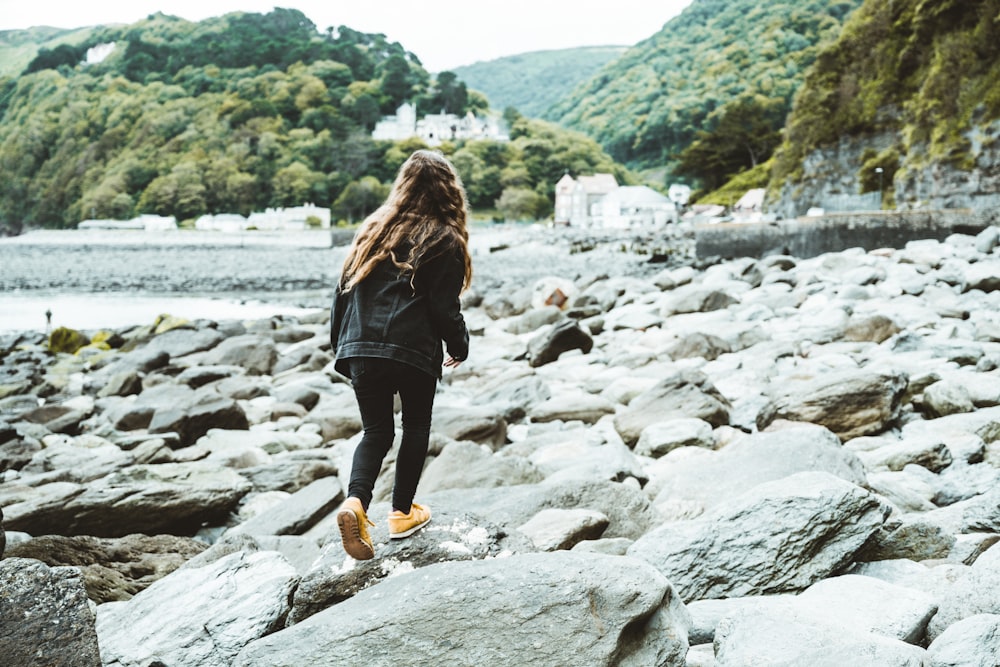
(918, 182)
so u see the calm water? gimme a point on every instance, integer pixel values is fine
(25, 312)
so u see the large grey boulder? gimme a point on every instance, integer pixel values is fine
(450, 536)
(781, 638)
(971, 642)
(257, 354)
(198, 616)
(628, 510)
(849, 403)
(978, 592)
(543, 609)
(778, 537)
(112, 568)
(690, 486)
(175, 498)
(684, 394)
(477, 423)
(468, 465)
(866, 604)
(44, 616)
(555, 529)
(297, 513)
(561, 337)
(203, 411)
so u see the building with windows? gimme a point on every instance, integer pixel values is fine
(434, 129)
(598, 201)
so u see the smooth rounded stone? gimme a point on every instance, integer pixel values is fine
(969, 547)
(84, 458)
(699, 345)
(463, 465)
(243, 387)
(15, 454)
(175, 498)
(558, 597)
(199, 616)
(947, 398)
(571, 406)
(300, 552)
(628, 510)
(866, 604)
(984, 423)
(3, 535)
(302, 359)
(299, 393)
(450, 536)
(257, 354)
(125, 383)
(612, 546)
(45, 618)
(289, 475)
(779, 536)
(623, 389)
(748, 638)
(548, 345)
(199, 376)
(566, 461)
(983, 276)
(907, 492)
(478, 424)
(926, 452)
(204, 410)
(683, 394)
(633, 316)
(977, 592)
(695, 298)
(112, 568)
(559, 529)
(534, 319)
(56, 418)
(871, 328)
(298, 512)
(272, 442)
(688, 486)
(669, 279)
(849, 403)
(661, 437)
(978, 513)
(971, 642)
(182, 342)
(513, 391)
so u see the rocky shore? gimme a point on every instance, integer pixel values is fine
(777, 461)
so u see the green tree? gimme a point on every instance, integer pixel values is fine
(360, 198)
(745, 136)
(521, 204)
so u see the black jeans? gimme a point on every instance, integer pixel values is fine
(375, 382)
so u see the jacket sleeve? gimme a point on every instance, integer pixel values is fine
(336, 318)
(445, 306)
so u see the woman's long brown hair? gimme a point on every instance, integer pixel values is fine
(423, 217)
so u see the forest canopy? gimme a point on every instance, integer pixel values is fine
(239, 113)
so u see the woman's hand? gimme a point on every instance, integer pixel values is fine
(452, 362)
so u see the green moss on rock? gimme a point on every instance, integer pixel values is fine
(66, 341)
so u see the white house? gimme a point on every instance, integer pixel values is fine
(598, 201)
(632, 206)
(577, 199)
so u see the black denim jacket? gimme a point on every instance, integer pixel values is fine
(384, 316)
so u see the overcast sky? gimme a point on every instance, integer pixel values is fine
(442, 33)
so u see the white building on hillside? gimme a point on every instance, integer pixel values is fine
(576, 198)
(437, 128)
(146, 223)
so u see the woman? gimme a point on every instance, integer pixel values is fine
(397, 300)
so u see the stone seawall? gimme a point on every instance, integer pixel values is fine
(809, 237)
